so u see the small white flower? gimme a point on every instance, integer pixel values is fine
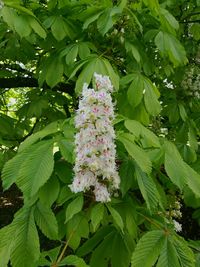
(177, 226)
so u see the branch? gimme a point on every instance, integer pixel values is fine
(192, 14)
(17, 82)
(190, 21)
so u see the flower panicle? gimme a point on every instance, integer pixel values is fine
(95, 168)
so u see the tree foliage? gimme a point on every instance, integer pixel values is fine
(150, 50)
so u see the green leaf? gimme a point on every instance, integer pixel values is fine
(49, 129)
(91, 14)
(112, 74)
(62, 28)
(102, 253)
(133, 50)
(77, 227)
(86, 75)
(193, 180)
(138, 130)
(53, 77)
(36, 168)
(121, 251)
(195, 31)
(169, 45)
(135, 91)
(107, 19)
(126, 173)
(53, 186)
(74, 207)
(116, 217)
(20, 8)
(57, 28)
(46, 220)
(151, 98)
(185, 254)
(148, 190)
(22, 26)
(25, 250)
(168, 256)
(7, 234)
(52, 256)
(93, 241)
(168, 20)
(9, 16)
(137, 153)
(73, 260)
(66, 148)
(100, 66)
(37, 27)
(174, 165)
(83, 50)
(11, 169)
(148, 249)
(97, 215)
(72, 54)
(64, 171)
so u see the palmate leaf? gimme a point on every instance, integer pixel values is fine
(148, 249)
(36, 168)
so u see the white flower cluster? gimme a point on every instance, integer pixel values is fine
(191, 82)
(95, 166)
(175, 213)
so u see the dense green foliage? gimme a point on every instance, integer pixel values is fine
(150, 50)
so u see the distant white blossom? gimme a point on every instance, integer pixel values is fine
(95, 167)
(191, 81)
(177, 226)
